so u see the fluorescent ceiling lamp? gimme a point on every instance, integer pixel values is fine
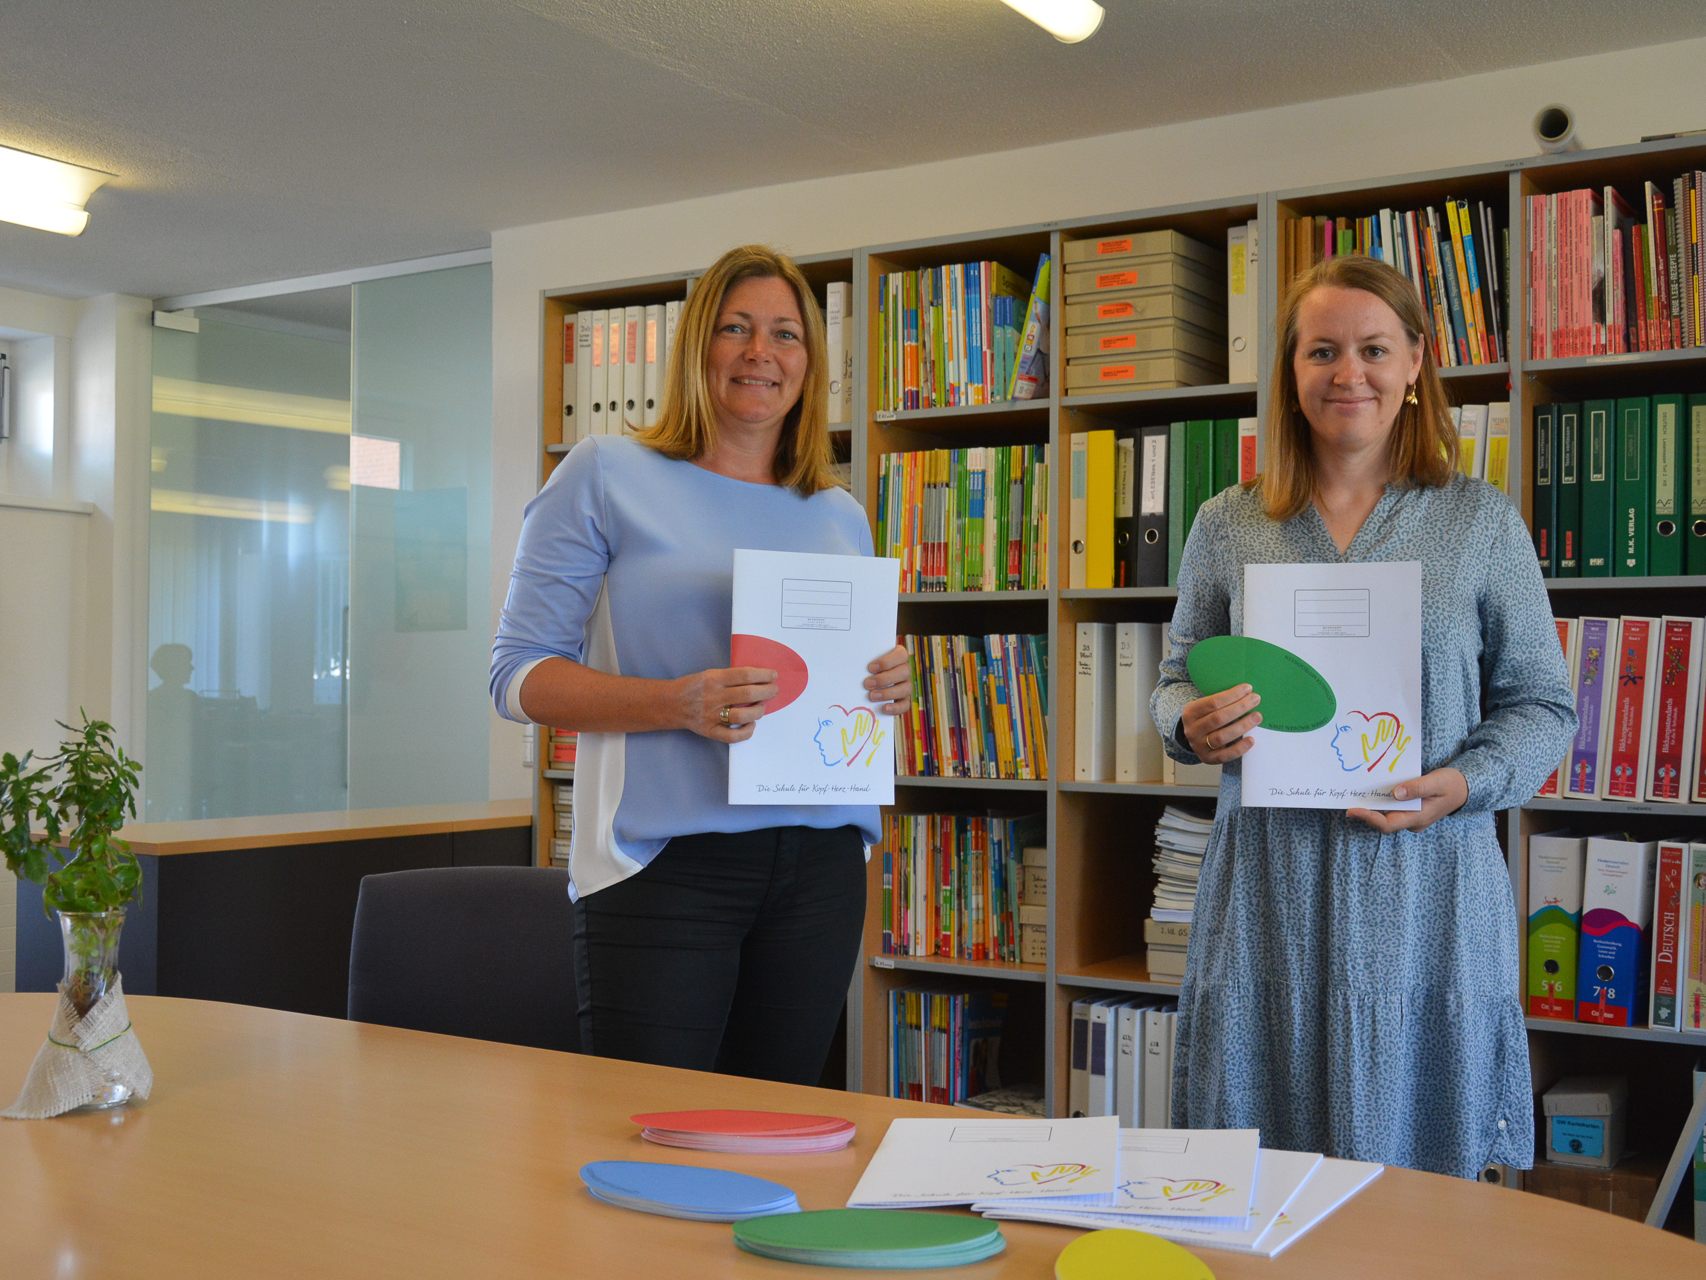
(46, 194)
(1068, 21)
(227, 507)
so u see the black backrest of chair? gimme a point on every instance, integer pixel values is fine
(486, 952)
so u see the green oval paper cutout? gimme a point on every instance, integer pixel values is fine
(1295, 696)
(865, 1230)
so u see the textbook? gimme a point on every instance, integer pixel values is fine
(1030, 370)
(1555, 865)
(1611, 971)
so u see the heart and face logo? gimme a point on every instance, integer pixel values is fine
(1366, 741)
(848, 736)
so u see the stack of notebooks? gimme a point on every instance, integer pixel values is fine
(1181, 836)
(1216, 1188)
(1144, 310)
(686, 1191)
(871, 1239)
(755, 1132)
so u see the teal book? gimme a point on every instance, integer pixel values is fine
(1694, 559)
(1670, 485)
(1634, 486)
(1569, 490)
(1597, 487)
(1175, 500)
(1546, 489)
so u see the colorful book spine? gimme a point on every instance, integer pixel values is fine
(1668, 935)
(1611, 969)
(1626, 749)
(1593, 696)
(1555, 867)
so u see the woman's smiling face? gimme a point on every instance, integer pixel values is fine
(1353, 365)
(757, 361)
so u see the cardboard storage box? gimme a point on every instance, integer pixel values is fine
(1584, 1120)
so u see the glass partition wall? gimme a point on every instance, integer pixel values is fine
(319, 551)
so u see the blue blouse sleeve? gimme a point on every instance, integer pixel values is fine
(559, 569)
(1528, 713)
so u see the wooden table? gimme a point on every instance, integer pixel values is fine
(279, 1144)
(259, 909)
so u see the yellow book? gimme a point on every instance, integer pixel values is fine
(1468, 303)
(1099, 511)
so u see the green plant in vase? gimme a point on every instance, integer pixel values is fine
(59, 819)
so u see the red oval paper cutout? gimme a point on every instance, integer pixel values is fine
(761, 651)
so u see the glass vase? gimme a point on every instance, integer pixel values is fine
(91, 967)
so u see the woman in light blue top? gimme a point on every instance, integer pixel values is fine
(707, 935)
(1351, 981)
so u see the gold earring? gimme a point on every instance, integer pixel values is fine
(1410, 395)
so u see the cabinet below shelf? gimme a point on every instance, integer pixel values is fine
(963, 968)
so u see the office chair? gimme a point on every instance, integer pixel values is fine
(484, 952)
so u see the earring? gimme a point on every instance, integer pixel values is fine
(1410, 395)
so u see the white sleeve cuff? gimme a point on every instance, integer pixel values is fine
(512, 694)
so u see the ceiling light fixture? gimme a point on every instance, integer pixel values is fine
(1068, 21)
(46, 194)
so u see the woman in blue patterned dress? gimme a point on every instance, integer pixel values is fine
(1351, 985)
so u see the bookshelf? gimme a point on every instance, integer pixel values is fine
(1098, 833)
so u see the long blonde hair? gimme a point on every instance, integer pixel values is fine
(1422, 446)
(687, 419)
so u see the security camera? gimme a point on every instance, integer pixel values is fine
(1555, 130)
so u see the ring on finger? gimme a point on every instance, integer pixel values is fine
(723, 718)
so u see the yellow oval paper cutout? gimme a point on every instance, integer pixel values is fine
(1119, 1254)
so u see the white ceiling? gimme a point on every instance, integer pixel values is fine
(256, 141)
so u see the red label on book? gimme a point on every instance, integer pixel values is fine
(1623, 772)
(1115, 311)
(1670, 715)
(1118, 342)
(569, 340)
(1552, 1007)
(1117, 280)
(1122, 245)
(1118, 373)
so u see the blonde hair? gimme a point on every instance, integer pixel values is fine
(687, 418)
(1422, 448)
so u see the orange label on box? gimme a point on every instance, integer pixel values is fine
(1114, 246)
(1118, 342)
(1115, 311)
(1118, 373)
(1117, 280)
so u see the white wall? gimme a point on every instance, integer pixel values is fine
(73, 580)
(1616, 97)
(43, 634)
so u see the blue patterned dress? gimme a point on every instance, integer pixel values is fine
(1351, 992)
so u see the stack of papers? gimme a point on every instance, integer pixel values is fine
(685, 1191)
(1290, 1193)
(873, 1238)
(1181, 837)
(760, 1132)
(940, 1162)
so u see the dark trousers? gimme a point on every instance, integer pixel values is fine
(729, 952)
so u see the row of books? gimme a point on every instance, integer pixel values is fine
(562, 822)
(954, 884)
(1620, 486)
(1144, 310)
(980, 708)
(614, 363)
(944, 1046)
(1484, 442)
(1608, 276)
(616, 359)
(1617, 931)
(1135, 496)
(1639, 720)
(1121, 1060)
(967, 333)
(1115, 668)
(966, 519)
(1456, 254)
